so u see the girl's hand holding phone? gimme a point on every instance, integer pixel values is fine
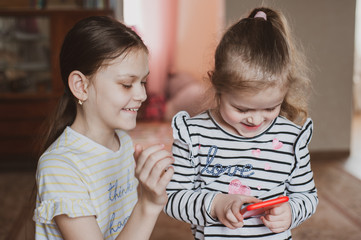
(225, 208)
(276, 213)
(278, 218)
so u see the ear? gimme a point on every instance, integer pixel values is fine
(78, 84)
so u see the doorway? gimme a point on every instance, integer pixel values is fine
(353, 164)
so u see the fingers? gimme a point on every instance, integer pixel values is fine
(275, 226)
(151, 164)
(137, 151)
(231, 221)
(234, 216)
(227, 209)
(271, 221)
(158, 173)
(154, 172)
(230, 216)
(277, 218)
(250, 199)
(236, 211)
(149, 156)
(274, 210)
(141, 155)
(165, 179)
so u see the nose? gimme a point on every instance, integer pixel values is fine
(139, 93)
(255, 118)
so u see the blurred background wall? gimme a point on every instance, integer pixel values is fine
(182, 36)
(325, 28)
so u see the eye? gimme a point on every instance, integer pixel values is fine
(126, 86)
(271, 109)
(242, 110)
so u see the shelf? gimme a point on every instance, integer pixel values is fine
(23, 36)
(27, 96)
(28, 12)
(32, 66)
(31, 50)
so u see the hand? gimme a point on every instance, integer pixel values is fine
(227, 208)
(278, 218)
(154, 172)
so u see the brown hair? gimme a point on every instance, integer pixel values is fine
(87, 46)
(256, 53)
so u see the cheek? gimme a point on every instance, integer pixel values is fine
(230, 116)
(273, 115)
(110, 103)
(115, 96)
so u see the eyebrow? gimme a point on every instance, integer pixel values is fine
(250, 109)
(133, 76)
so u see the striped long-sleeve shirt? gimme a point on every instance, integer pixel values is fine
(79, 177)
(210, 160)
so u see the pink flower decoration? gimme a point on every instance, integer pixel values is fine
(276, 144)
(267, 166)
(256, 153)
(236, 187)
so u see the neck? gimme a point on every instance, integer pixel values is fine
(218, 117)
(105, 137)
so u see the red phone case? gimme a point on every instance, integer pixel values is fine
(257, 208)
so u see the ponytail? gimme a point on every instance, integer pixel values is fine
(64, 115)
(86, 46)
(258, 52)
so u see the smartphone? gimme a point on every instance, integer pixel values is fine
(258, 208)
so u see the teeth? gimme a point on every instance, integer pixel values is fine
(131, 109)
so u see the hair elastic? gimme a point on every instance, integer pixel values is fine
(261, 14)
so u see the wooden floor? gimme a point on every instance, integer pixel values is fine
(337, 216)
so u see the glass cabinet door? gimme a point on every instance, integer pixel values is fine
(25, 55)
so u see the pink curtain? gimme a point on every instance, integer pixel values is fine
(181, 38)
(158, 30)
(159, 33)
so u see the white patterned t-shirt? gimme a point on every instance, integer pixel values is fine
(79, 177)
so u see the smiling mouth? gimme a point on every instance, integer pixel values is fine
(251, 127)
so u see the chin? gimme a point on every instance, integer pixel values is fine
(129, 127)
(126, 126)
(248, 134)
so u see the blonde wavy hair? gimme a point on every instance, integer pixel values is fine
(257, 53)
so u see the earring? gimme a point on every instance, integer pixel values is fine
(80, 102)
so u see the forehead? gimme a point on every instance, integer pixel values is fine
(256, 99)
(131, 63)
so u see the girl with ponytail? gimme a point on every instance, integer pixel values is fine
(253, 145)
(88, 184)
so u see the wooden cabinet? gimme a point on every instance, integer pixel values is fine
(30, 82)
